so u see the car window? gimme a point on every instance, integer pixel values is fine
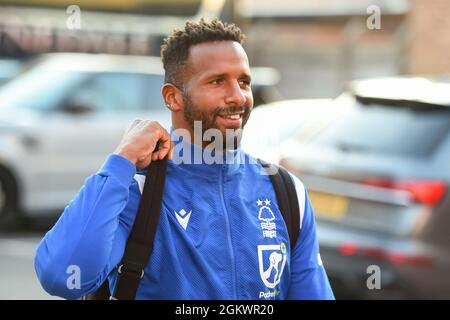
(38, 89)
(111, 92)
(387, 129)
(153, 96)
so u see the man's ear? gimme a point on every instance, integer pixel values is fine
(173, 97)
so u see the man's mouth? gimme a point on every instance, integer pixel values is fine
(232, 119)
(235, 116)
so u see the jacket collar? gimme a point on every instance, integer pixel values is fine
(194, 158)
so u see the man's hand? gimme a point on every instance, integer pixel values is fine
(139, 142)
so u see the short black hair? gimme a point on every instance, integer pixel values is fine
(175, 48)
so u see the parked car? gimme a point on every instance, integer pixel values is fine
(60, 119)
(63, 116)
(378, 175)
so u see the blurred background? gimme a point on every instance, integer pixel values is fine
(352, 96)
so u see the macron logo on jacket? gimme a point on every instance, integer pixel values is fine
(182, 216)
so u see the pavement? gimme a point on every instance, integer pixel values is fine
(18, 280)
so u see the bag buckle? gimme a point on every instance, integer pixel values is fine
(119, 270)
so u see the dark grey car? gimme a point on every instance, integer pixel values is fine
(378, 177)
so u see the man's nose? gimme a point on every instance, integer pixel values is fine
(235, 95)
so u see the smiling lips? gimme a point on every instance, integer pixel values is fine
(232, 116)
(232, 119)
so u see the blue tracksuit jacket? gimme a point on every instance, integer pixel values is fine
(220, 235)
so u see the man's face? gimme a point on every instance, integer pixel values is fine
(217, 89)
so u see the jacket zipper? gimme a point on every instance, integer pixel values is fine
(230, 245)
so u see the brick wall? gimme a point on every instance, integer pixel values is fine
(430, 36)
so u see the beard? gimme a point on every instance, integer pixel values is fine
(209, 120)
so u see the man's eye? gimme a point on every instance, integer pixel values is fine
(245, 83)
(217, 81)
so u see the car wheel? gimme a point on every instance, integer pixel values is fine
(9, 216)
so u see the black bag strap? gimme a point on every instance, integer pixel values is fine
(285, 191)
(140, 242)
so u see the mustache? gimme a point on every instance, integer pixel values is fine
(223, 111)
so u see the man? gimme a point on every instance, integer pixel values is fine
(221, 234)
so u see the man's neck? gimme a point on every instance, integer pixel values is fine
(188, 134)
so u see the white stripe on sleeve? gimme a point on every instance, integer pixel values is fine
(140, 179)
